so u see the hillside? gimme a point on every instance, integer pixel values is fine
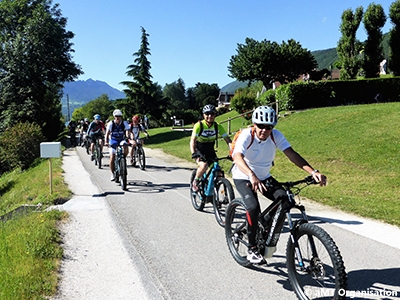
(81, 92)
(326, 58)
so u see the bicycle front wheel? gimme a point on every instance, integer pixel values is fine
(236, 232)
(98, 155)
(123, 174)
(197, 202)
(322, 274)
(223, 195)
(141, 158)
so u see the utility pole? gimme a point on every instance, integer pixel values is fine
(68, 118)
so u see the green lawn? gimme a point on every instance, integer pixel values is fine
(356, 147)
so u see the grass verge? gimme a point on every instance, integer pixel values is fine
(357, 147)
(30, 249)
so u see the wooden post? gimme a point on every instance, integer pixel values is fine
(51, 176)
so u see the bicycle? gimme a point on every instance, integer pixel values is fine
(86, 143)
(139, 155)
(215, 188)
(120, 169)
(98, 155)
(315, 265)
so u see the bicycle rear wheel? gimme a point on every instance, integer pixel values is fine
(323, 274)
(223, 195)
(197, 201)
(141, 158)
(123, 174)
(236, 232)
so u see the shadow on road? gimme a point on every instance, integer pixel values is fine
(166, 169)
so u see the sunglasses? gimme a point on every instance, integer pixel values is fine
(209, 114)
(265, 126)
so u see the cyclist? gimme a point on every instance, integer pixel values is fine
(134, 131)
(251, 170)
(203, 140)
(95, 132)
(72, 132)
(116, 132)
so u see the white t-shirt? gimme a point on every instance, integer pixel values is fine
(260, 155)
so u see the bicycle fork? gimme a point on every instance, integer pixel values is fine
(293, 226)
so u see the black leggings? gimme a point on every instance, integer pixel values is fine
(252, 205)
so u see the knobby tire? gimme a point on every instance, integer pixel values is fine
(223, 195)
(236, 232)
(197, 203)
(141, 158)
(98, 155)
(324, 275)
(123, 174)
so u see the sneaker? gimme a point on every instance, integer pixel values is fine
(92, 157)
(195, 185)
(112, 177)
(253, 256)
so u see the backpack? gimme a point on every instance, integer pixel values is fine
(216, 132)
(253, 132)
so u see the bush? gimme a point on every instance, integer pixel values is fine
(268, 97)
(20, 146)
(243, 101)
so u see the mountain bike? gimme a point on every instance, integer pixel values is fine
(120, 169)
(139, 155)
(215, 188)
(97, 153)
(315, 265)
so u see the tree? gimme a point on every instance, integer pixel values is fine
(175, 92)
(394, 39)
(374, 19)
(35, 61)
(142, 93)
(269, 62)
(204, 94)
(101, 105)
(349, 47)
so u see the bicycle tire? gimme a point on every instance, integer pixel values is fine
(323, 277)
(98, 155)
(223, 195)
(141, 158)
(87, 146)
(123, 174)
(236, 232)
(195, 197)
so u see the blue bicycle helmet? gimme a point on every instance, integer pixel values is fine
(97, 117)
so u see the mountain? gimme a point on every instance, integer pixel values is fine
(233, 86)
(80, 92)
(85, 91)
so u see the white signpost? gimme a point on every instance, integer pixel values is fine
(50, 150)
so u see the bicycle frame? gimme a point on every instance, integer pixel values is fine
(209, 178)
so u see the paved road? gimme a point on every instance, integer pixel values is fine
(174, 252)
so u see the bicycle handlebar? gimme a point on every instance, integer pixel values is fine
(308, 180)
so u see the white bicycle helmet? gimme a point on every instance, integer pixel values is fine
(117, 113)
(209, 108)
(264, 115)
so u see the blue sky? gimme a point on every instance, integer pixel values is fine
(194, 39)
